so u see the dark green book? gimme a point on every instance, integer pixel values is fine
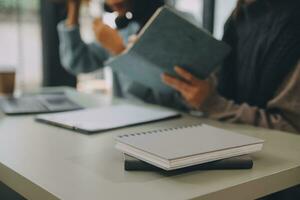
(239, 162)
(168, 39)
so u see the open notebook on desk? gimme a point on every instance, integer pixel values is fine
(106, 118)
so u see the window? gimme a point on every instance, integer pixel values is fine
(194, 7)
(223, 10)
(21, 41)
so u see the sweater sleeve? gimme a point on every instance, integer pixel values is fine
(77, 56)
(282, 112)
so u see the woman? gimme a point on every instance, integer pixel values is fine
(259, 83)
(78, 57)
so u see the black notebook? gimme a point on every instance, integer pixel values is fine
(168, 39)
(238, 162)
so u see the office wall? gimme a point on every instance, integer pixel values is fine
(194, 7)
(222, 11)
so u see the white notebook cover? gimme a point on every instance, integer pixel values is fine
(176, 144)
(106, 118)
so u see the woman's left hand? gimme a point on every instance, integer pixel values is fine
(193, 90)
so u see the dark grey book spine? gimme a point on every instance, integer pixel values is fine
(240, 162)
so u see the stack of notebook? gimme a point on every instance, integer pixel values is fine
(189, 147)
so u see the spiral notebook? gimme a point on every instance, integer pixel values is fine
(181, 147)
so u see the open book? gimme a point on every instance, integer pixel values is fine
(168, 39)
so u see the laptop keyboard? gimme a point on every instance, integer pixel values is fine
(37, 104)
(22, 105)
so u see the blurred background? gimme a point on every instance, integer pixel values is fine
(29, 40)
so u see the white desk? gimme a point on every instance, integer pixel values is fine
(45, 162)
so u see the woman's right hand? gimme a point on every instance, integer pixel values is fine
(109, 38)
(194, 91)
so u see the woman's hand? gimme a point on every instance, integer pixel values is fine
(193, 90)
(131, 41)
(109, 38)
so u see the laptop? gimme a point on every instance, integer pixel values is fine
(37, 103)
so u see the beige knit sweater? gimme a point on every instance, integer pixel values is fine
(282, 112)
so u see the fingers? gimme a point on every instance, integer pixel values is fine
(110, 39)
(185, 74)
(133, 39)
(97, 23)
(175, 83)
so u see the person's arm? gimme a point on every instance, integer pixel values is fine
(77, 56)
(282, 112)
(73, 8)
(109, 38)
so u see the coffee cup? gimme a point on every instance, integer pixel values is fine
(7, 80)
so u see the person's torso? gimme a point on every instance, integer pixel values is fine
(263, 41)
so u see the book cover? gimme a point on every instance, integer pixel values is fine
(239, 162)
(168, 39)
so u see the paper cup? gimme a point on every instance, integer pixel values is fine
(7, 80)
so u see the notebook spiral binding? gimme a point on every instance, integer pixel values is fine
(159, 131)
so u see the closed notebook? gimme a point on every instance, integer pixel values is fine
(106, 118)
(238, 162)
(176, 148)
(168, 39)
